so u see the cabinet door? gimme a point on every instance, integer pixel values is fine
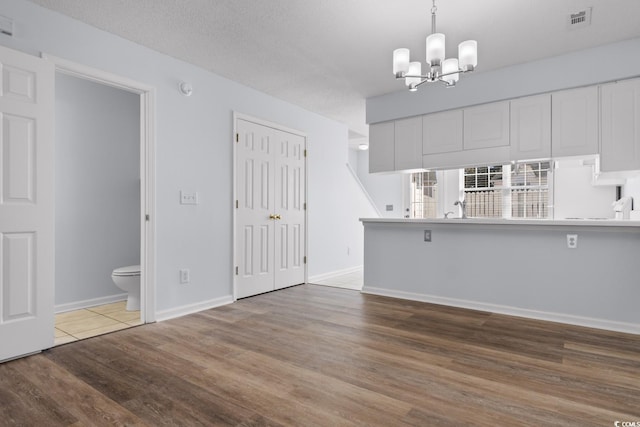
(620, 107)
(486, 126)
(531, 127)
(574, 120)
(442, 132)
(381, 147)
(408, 143)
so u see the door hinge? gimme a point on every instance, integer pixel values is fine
(304, 259)
(237, 137)
(236, 204)
(305, 152)
(147, 217)
(304, 206)
(236, 270)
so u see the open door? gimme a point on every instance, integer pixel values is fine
(26, 204)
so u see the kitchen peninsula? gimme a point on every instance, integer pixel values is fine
(518, 267)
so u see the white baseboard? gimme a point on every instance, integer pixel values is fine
(332, 274)
(192, 308)
(609, 325)
(78, 305)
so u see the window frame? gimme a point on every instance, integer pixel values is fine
(507, 188)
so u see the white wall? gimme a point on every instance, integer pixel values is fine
(560, 72)
(335, 209)
(449, 187)
(632, 188)
(97, 185)
(194, 152)
(574, 194)
(384, 189)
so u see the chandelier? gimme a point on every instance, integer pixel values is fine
(440, 69)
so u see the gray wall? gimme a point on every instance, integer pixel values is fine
(515, 269)
(97, 187)
(194, 152)
(581, 68)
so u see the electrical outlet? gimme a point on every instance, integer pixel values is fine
(185, 275)
(572, 241)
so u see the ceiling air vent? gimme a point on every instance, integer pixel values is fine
(579, 19)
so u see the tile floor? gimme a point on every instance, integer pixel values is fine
(89, 322)
(352, 280)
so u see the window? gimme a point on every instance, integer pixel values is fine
(424, 194)
(520, 190)
(530, 190)
(483, 191)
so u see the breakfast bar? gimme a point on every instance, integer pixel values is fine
(580, 271)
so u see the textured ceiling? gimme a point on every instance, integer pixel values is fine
(328, 56)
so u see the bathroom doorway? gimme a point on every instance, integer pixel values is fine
(104, 194)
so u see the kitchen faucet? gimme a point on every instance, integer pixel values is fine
(463, 207)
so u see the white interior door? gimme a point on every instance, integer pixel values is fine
(270, 217)
(255, 174)
(290, 219)
(26, 204)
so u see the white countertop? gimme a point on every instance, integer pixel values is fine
(514, 222)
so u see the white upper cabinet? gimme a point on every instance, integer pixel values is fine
(620, 109)
(575, 122)
(408, 143)
(531, 127)
(442, 132)
(486, 126)
(381, 147)
(574, 118)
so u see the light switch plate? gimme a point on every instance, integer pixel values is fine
(427, 235)
(188, 198)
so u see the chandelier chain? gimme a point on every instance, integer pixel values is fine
(433, 17)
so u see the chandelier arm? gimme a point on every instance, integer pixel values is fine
(446, 83)
(415, 76)
(426, 80)
(459, 71)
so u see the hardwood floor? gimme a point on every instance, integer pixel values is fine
(320, 356)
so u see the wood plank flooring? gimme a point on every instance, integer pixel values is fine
(319, 356)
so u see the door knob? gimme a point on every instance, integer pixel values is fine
(272, 216)
(278, 216)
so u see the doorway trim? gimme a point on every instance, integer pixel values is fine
(147, 170)
(241, 116)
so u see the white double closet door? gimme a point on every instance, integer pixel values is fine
(270, 208)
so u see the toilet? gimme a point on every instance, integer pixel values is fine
(128, 279)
